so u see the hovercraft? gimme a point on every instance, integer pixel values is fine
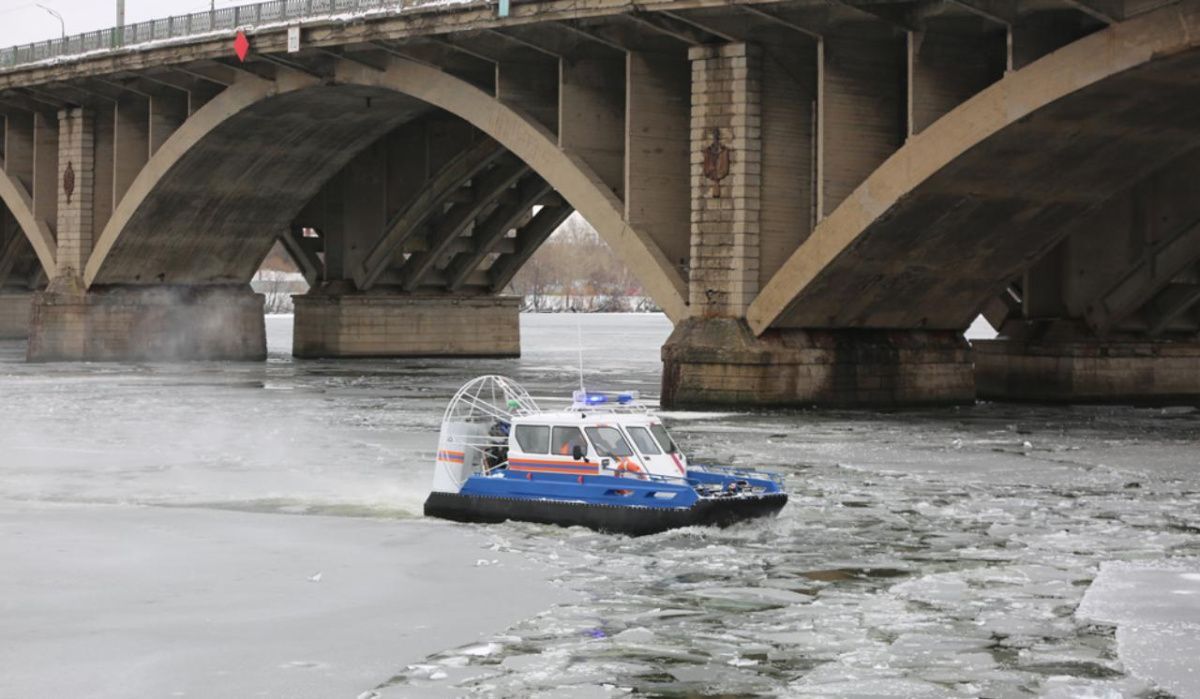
(606, 463)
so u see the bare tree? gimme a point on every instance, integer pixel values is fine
(277, 290)
(575, 270)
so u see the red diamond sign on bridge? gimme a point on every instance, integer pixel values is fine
(241, 46)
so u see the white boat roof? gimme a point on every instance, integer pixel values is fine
(587, 418)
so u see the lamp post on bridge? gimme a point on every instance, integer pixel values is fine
(62, 25)
(119, 32)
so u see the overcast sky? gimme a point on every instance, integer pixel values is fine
(23, 22)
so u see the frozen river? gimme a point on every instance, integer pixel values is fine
(255, 530)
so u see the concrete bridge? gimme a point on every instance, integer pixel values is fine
(820, 194)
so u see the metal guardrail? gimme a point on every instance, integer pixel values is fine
(195, 24)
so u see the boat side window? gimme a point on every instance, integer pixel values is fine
(566, 439)
(609, 442)
(664, 439)
(645, 443)
(534, 439)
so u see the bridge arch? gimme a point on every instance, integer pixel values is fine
(250, 97)
(1072, 129)
(16, 197)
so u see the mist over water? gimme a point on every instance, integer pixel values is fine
(924, 553)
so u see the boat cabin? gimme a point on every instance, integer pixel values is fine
(592, 442)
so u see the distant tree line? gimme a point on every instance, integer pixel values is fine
(575, 270)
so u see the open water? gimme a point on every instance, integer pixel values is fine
(923, 553)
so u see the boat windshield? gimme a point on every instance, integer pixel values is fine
(643, 440)
(664, 439)
(609, 442)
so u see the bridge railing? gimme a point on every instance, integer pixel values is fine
(198, 24)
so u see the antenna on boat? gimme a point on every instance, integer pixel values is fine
(579, 343)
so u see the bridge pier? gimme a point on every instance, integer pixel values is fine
(148, 323)
(1088, 370)
(381, 324)
(741, 222)
(1111, 313)
(710, 362)
(14, 314)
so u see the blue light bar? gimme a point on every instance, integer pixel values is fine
(590, 398)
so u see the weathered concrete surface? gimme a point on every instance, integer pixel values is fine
(721, 362)
(76, 162)
(15, 308)
(726, 105)
(160, 323)
(248, 161)
(239, 171)
(18, 200)
(389, 325)
(570, 176)
(967, 203)
(657, 149)
(1141, 371)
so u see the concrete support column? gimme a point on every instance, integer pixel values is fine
(726, 193)
(44, 168)
(359, 209)
(104, 137)
(149, 323)
(18, 147)
(76, 168)
(861, 113)
(591, 102)
(657, 183)
(131, 142)
(402, 325)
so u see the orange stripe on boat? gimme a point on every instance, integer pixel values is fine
(538, 465)
(554, 462)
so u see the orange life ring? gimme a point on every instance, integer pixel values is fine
(627, 465)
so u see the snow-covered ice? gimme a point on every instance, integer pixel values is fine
(1155, 606)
